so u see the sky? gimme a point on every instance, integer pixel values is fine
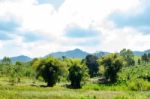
(38, 27)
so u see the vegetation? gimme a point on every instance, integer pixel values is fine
(128, 57)
(112, 64)
(49, 69)
(117, 75)
(92, 64)
(76, 74)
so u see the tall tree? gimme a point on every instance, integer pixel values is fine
(77, 74)
(92, 64)
(50, 69)
(128, 56)
(145, 58)
(6, 65)
(6, 61)
(112, 64)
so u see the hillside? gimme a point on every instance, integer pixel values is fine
(76, 53)
(21, 58)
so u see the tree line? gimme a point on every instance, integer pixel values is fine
(76, 71)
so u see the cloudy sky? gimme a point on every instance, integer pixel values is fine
(39, 27)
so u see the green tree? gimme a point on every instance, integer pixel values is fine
(18, 70)
(15, 72)
(139, 61)
(128, 56)
(50, 69)
(112, 64)
(6, 61)
(145, 58)
(92, 64)
(148, 55)
(6, 66)
(77, 74)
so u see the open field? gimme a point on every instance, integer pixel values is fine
(26, 90)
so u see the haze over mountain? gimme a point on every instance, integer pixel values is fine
(78, 53)
(140, 53)
(21, 58)
(75, 53)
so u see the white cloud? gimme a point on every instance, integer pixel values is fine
(46, 20)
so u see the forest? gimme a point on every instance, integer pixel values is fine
(116, 75)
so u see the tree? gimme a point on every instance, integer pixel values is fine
(18, 70)
(77, 74)
(6, 65)
(145, 58)
(128, 56)
(148, 55)
(112, 64)
(92, 64)
(139, 61)
(6, 61)
(50, 69)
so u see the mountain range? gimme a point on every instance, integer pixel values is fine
(21, 58)
(140, 53)
(76, 53)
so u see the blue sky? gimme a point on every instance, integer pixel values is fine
(55, 3)
(39, 27)
(139, 21)
(77, 32)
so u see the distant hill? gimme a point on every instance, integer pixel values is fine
(21, 58)
(100, 54)
(140, 53)
(76, 53)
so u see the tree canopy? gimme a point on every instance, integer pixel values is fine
(112, 64)
(49, 69)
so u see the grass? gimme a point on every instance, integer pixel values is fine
(26, 90)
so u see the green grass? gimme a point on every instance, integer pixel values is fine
(26, 90)
(29, 92)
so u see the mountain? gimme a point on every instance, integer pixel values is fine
(21, 58)
(140, 53)
(100, 54)
(76, 53)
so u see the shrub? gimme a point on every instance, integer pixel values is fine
(49, 69)
(112, 63)
(139, 85)
(77, 74)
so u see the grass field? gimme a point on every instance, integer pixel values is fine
(26, 90)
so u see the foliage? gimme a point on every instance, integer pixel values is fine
(6, 61)
(139, 61)
(91, 62)
(135, 72)
(128, 56)
(145, 58)
(50, 69)
(112, 64)
(77, 74)
(139, 85)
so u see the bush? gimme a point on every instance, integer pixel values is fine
(50, 69)
(77, 74)
(112, 63)
(135, 72)
(92, 64)
(139, 85)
